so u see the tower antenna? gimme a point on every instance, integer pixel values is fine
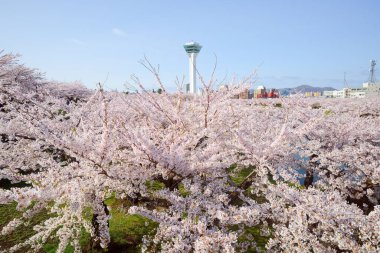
(345, 81)
(372, 77)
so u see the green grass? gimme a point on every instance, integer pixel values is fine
(129, 229)
(154, 185)
(253, 234)
(85, 241)
(328, 112)
(259, 239)
(182, 190)
(126, 230)
(238, 175)
(22, 232)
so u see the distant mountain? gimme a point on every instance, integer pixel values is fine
(303, 89)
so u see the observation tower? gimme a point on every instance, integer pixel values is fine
(192, 49)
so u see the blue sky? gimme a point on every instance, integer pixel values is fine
(288, 43)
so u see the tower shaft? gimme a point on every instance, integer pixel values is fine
(192, 73)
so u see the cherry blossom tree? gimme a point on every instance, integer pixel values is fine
(311, 166)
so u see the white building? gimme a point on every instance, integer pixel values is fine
(357, 93)
(369, 89)
(372, 88)
(344, 93)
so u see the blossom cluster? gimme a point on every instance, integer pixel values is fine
(313, 165)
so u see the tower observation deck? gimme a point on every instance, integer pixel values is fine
(192, 47)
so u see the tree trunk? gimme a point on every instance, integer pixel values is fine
(95, 244)
(309, 178)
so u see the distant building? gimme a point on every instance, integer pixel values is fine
(344, 93)
(244, 94)
(308, 94)
(260, 92)
(369, 89)
(273, 93)
(357, 93)
(312, 94)
(223, 87)
(372, 88)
